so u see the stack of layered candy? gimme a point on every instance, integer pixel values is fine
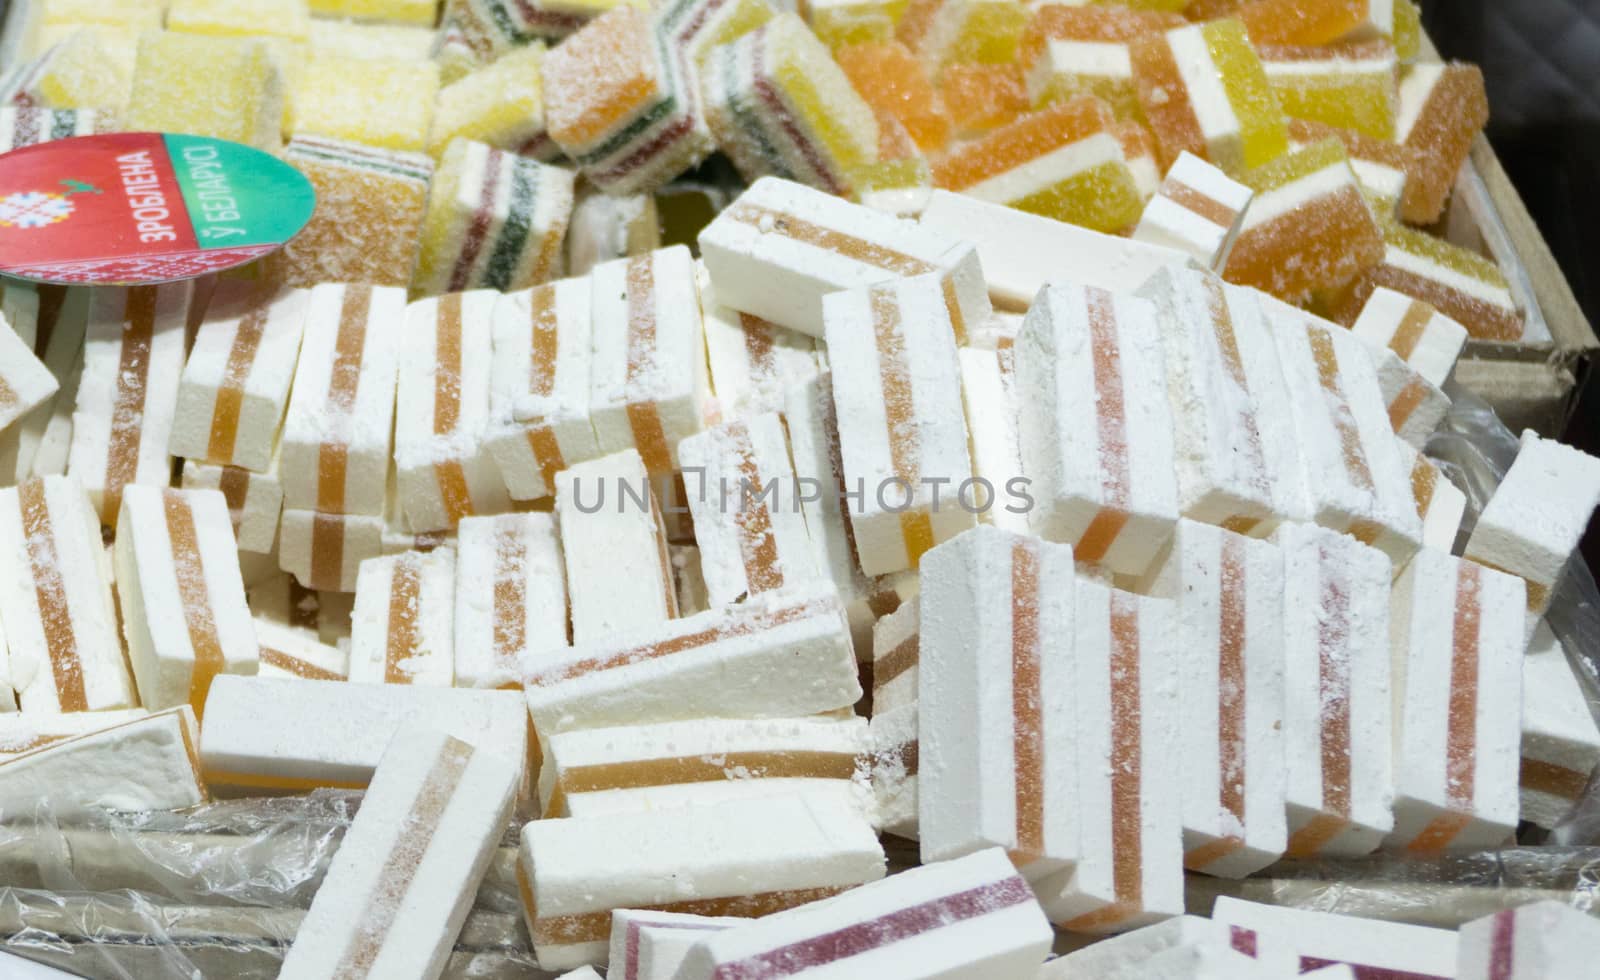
(1102, 567)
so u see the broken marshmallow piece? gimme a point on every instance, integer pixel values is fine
(539, 420)
(781, 247)
(652, 945)
(255, 500)
(325, 551)
(895, 769)
(902, 428)
(146, 763)
(754, 362)
(510, 595)
(181, 595)
(651, 767)
(750, 541)
(132, 359)
(287, 651)
(1196, 210)
(235, 386)
(1533, 941)
(443, 472)
(55, 601)
(403, 628)
(1420, 335)
(402, 882)
(51, 321)
(1560, 741)
(1338, 714)
(1104, 486)
(1440, 505)
(648, 376)
(896, 639)
(747, 858)
(988, 390)
(1290, 939)
(22, 732)
(25, 381)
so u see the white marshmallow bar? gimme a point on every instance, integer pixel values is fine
(902, 428)
(1353, 470)
(1536, 517)
(324, 550)
(147, 763)
(973, 916)
(51, 321)
(1538, 941)
(1022, 252)
(539, 420)
(1560, 741)
(255, 501)
(988, 389)
(781, 247)
(819, 468)
(403, 627)
(183, 608)
(403, 880)
(443, 472)
(648, 377)
(287, 651)
(1289, 940)
(25, 381)
(1197, 210)
(1418, 334)
(55, 601)
(747, 858)
(651, 767)
(132, 360)
(510, 595)
(754, 362)
(1457, 645)
(1130, 867)
(336, 432)
(1337, 683)
(1416, 406)
(652, 945)
(22, 732)
(1237, 462)
(772, 656)
(235, 385)
(1229, 595)
(896, 641)
(1097, 439)
(293, 734)
(895, 765)
(618, 574)
(1131, 949)
(994, 699)
(750, 541)
(1440, 504)
(581, 973)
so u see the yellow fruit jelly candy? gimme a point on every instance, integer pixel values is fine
(494, 220)
(1407, 36)
(1309, 227)
(1307, 21)
(371, 41)
(1351, 86)
(982, 32)
(49, 21)
(75, 73)
(418, 12)
(380, 103)
(890, 78)
(289, 19)
(1072, 51)
(694, 27)
(228, 88)
(1061, 162)
(1443, 108)
(370, 203)
(501, 104)
(841, 22)
(982, 97)
(1203, 90)
(1380, 166)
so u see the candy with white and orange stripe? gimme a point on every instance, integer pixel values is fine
(1098, 442)
(52, 321)
(510, 595)
(973, 916)
(1457, 644)
(782, 246)
(182, 598)
(1539, 940)
(747, 858)
(750, 541)
(1440, 505)
(1125, 707)
(55, 601)
(1560, 740)
(1196, 210)
(706, 760)
(1559, 484)
(26, 731)
(235, 385)
(1420, 335)
(144, 763)
(1416, 405)
(1337, 684)
(403, 880)
(994, 697)
(1229, 597)
(896, 640)
(132, 359)
(1443, 108)
(772, 656)
(539, 420)
(287, 651)
(282, 734)
(25, 381)
(648, 945)
(902, 427)
(1285, 939)
(324, 550)
(1352, 466)
(618, 572)
(648, 377)
(753, 362)
(988, 389)
(403, 627)
(255, 499)
(441, 407)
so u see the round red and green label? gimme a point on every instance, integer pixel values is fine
(130, 208)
